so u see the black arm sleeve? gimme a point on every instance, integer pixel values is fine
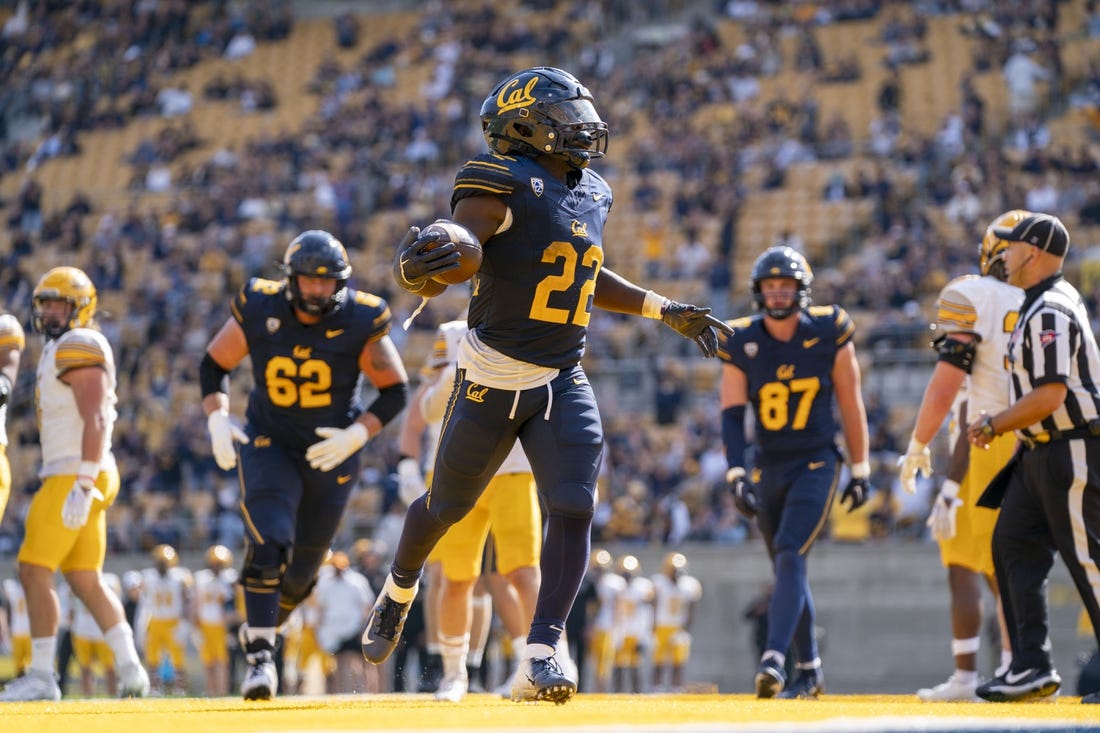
(390, 402)
(212, 378)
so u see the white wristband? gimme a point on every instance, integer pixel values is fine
(653, 305)
(950, 489)
(88, 469)
(861, 469)
(915, 446)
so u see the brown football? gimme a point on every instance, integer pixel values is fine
(468, 247)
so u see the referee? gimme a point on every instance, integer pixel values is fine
(1051, 488)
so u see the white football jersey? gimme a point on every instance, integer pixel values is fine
(163, 596)
(608, 588)
(988, 308)
(60, 424)
(11, 337)
(634, 608)
(213, 595)
(19, 624)
(672, 599)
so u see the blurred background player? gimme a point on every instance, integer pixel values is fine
(164, 613)
(12, 342)
(66, 526)
(313, 343)
(213, 612)
(675, 594)
(343, 598)
(91, 652)
(632, 625)
(608, 586)
(19, 625)
(793, 362)
(974, 320)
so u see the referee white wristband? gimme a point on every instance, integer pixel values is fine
(861, 469)
(653, 305)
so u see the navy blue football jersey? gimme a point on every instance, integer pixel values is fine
(305, 377)
(790, 384)
(532, 296)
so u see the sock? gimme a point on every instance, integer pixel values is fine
(780, 658)
(120, 638)
(397, 593)
(538, 651)
(454, 653)
(812, 664)
(264, 633)
(43, 654)
(966, 676)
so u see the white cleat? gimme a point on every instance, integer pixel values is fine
(542, 679)
(32, 685)
(261, 680)
(133, 681)
(453, 689)
(951, 690)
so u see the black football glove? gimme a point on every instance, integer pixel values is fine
(695, 323)
(856, 493)
(414, 265)
(744, 495)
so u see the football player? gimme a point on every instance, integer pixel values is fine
(632, 624)
(675, 595)
(164, 611)
(12, 342)
(212, 611)
(539, 212)
(791, 361)
(312, 340)
(608, 586)
(974, 320)
(66, 525)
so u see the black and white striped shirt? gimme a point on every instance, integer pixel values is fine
(1053, 342)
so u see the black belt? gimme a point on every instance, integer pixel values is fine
(1092, 430)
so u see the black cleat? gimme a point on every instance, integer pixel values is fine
(807, 685)
(1013, 686)
(770, 678)
(542, 679)
(384, 626)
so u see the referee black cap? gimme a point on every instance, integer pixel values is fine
(1044, 231)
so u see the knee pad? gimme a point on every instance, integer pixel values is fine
(447, 512)
(573, 500)
(301, 576)
(264, 566)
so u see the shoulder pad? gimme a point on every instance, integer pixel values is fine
(11, 333)
(486, 174)
(78, 348)
(740, 322)
(820, 310)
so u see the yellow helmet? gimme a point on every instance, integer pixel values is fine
(628, 565)
(675, 563)
(219, 557)
(166, 555)
(601, 559)
(70, 285)
(991, 252)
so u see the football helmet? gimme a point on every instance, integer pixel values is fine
(628, 566)
(782, 262)
(544, 111)
(219, 557)
(164, 557)
(600, 560)
(70, 285)
(674, 565)
(991, 252)
(316, 253)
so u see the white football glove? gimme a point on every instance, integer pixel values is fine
(917, 459)
(223, 435)
(942, 519)
(410, 481)
(78, 504)
(338, 445)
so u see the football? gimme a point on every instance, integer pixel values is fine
(467, 244)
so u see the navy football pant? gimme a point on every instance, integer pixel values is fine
(560, 429)
(795, 496)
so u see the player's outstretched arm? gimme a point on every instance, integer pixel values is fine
(617, 294)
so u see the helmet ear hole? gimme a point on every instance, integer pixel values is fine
(523, 130)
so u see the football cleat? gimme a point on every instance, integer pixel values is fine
(133, 681)
(770, 678)
(31, 685)
(542, 679)
(261, 679)
(808, 684)
(1092, 698)
(453, 688)
(1029, 684)
(384, 626)
(951, 690)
